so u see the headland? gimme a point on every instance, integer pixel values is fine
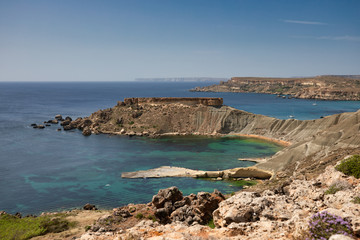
(156, 117)
(325, 87)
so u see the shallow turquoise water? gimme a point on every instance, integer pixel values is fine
(77, 176)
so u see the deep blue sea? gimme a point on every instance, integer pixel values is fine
(47, 170)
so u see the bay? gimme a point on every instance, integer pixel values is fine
(46, 170)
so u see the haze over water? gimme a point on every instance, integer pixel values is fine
(46, 170)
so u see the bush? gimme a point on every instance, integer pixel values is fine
(356, 200)
(338, 186)
(350, 166)
(211, 224)
(139, 216)
(151, 217)
(323, 224)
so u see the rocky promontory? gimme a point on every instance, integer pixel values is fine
(207, 116)
(327, 87)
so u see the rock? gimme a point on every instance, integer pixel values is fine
(59, 129)
(48, 125)
(33, 125)
(132, 133)
(18, 215)
(68, 119)
(86, 131)
(122, 131)
(163, 215)
(340, 237)
(171, 194)
(59, 117)
(89, 206)
(53, 121)
(68, 127)
(136, 114)
(40, 126)
(120, 121)
(65, 122)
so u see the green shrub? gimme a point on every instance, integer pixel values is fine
(131, 123)
(350, 166)
(15, 228)
(87, 228)
(139, 216)
(356, 200)
(332, 190)
(151, 217)
(211, 224)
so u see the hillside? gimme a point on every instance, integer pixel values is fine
(327, 87)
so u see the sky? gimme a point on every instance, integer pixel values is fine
(85, 40)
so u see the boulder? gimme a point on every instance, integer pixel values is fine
(68, 118)
(59, 117)
(172, 206)
(68, 127)
(65, 122)
(33, 125)
(86, 131)
(41, 126)
(89, 206)
(171, 194)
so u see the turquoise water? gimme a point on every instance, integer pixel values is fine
(46, 170)
(90, 168)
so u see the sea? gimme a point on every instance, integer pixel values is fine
(49, 170)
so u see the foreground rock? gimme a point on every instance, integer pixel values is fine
(280, 213)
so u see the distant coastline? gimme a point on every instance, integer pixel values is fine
(325, 87)
(181, 79)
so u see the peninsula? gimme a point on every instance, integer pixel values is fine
(155, 117)
(325, 87)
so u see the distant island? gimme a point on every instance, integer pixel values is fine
(181, 79)
(325, 87)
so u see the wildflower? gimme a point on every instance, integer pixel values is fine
(323, 224)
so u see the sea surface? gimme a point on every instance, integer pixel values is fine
(47, 170)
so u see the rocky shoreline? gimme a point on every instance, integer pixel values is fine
(279, 212)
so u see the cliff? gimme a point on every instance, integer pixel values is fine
(181, 116)
(329, 87)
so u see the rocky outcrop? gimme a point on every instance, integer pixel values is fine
(319, 87)
(153, 117)
(171, 206)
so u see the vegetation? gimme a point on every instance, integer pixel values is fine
(15, 228)
(139, 216)
(350, 166)
(337, 186)
(356, 200)
(211, 224)
(151, 217)
(131, 122)
(323, 224)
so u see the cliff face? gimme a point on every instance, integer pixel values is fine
(320, 87)
(155, 117)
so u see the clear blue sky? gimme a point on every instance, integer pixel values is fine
(68, 40)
